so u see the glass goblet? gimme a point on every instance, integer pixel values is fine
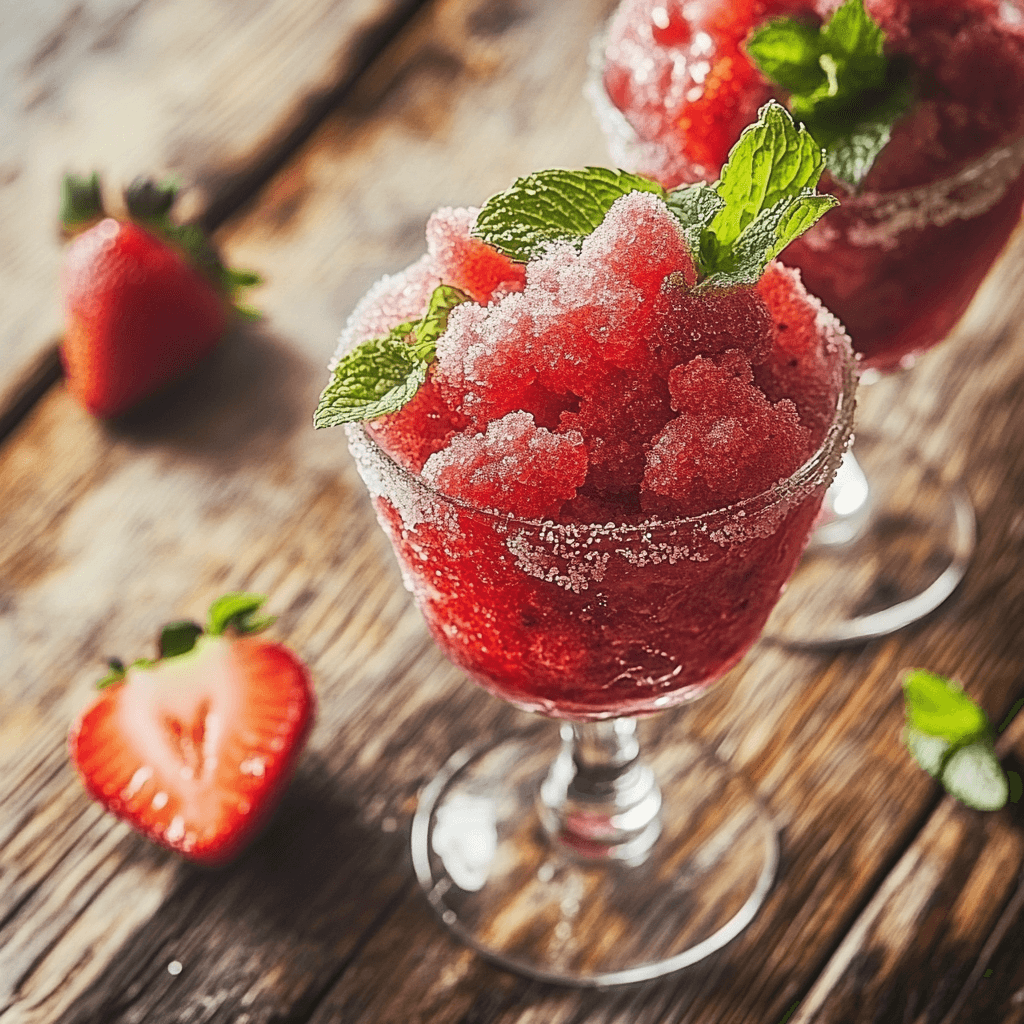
(899, 269)
(563, 854)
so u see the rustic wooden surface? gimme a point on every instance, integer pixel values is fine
(893, 903)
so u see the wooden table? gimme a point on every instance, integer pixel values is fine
(316, 138)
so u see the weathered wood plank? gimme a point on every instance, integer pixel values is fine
(211, 92)
(222, 484)
(924, 948)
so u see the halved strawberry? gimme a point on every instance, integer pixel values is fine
(145, 298)
(195, 750)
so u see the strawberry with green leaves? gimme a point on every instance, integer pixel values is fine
(195, 749)
(145, 299)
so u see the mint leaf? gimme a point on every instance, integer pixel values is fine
(950, 738)
(772, 160)
(765, 237)
(764, 199)
(930, 752)
(974, 776)
(374, 379)
(841, 84)
(380, 376)
(788, 52)
(939, 707)
(852, 151)
(553, 206)
(856, 43)
(443, 300)
(695, 207)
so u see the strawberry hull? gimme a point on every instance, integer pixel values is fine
(586, 621)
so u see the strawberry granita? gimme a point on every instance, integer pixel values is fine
(609, 472)
(901, 258)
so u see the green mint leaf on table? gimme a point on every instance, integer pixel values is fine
(950, 738)
(974, 776)
(939, 707)
(381, 375)
(553, 206)
(841, 84)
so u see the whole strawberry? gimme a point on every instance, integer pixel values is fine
(194, 750)
(145, 299)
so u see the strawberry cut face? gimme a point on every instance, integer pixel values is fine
(196, 750)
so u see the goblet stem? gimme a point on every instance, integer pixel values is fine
(847, 506)
(600, 799)
(894, 542)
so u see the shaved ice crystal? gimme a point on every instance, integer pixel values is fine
(595, 382)
(729, 441)
(515, 466)
(467, 263)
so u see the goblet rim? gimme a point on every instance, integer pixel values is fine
(817, 470)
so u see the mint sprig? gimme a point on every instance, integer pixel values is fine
(733, 228)
(950, 738)
(381, 375)
(769, 199)
(842, 85)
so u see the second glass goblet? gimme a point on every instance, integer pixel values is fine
(563, 854)
(899, 268)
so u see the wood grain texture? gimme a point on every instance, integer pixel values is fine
(222, 484)
(923, 949)
(212, 93)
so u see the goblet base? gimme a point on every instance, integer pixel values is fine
(504, 885)
(881, 564)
